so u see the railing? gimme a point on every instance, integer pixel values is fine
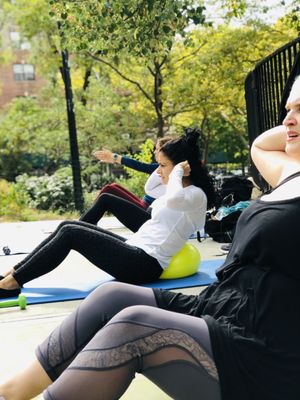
(266, 89)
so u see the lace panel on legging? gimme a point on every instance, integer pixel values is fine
(60, 347)
(138, 341)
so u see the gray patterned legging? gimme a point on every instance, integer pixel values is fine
(119, 330)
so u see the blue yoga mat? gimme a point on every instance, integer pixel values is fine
(43, 293)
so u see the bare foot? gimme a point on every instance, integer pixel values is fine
(6, 274)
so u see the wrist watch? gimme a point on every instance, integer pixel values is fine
(115, 157)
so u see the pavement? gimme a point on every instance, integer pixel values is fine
(22, 330)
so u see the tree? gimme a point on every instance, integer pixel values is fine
(32, 137)
(215, 81)
(110, 31)
(65, 74)
(203, 75)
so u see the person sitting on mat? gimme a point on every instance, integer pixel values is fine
(129, 209)
(154, 190)
(238, 339)
(128, 212)
(143, 257)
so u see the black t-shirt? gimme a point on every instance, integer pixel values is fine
(253, 310)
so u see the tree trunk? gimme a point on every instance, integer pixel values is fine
(78, 196)
(206, 138)
(158, 82)
(86, 82)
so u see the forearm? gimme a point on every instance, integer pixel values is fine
(269, 155)
(272, 140)
(154, 186)
(175, 193)
(138, 165)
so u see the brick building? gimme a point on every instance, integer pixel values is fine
(18, 77)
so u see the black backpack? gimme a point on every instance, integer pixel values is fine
(222, 231)
(232, 191)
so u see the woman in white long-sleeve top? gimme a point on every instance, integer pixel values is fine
(128, 208)
(144, 256)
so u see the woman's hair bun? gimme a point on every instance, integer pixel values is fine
(191, 135)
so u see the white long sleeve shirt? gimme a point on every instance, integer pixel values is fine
(175, 216)
(154, 186)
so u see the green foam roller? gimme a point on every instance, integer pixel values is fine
(21, 302)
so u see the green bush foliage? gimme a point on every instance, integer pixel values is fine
(13, 202)
(94, 178)
(54, 192)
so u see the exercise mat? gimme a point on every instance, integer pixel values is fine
(48, 288)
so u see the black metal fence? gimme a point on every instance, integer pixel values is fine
(267, 88)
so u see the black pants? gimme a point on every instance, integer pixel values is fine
(104, 249)
(129, 214)
(119, 330)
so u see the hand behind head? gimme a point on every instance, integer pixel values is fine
(186, 167)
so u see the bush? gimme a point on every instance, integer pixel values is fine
(95, 178)
(46, 192)
(13, 202)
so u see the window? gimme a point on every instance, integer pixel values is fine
(23, 72)
(17, 42)
(15, 39)
(25, 45)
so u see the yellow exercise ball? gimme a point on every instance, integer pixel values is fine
(184, 263)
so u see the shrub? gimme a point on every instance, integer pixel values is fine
(13, 202)
(95, 178)
(54, 192)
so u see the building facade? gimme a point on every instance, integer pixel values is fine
(18, 77)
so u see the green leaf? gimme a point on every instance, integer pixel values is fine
(166, 29)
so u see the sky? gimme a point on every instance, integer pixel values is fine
(275, 10)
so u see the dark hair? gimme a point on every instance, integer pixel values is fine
(187, 148)
(163, 140)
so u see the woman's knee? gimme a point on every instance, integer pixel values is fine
(109, 188)
(65, 222)
(115, 293)
(68, 228)
(136, 314)
(114, 297)
(110, 289)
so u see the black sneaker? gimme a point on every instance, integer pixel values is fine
(4, 293)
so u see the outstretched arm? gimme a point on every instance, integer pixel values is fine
(107, 156)
(140, 166)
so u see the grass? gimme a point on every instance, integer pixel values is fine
(29, 214)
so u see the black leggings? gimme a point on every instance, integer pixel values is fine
(119, 330)
(129, 214)
(104, 249)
